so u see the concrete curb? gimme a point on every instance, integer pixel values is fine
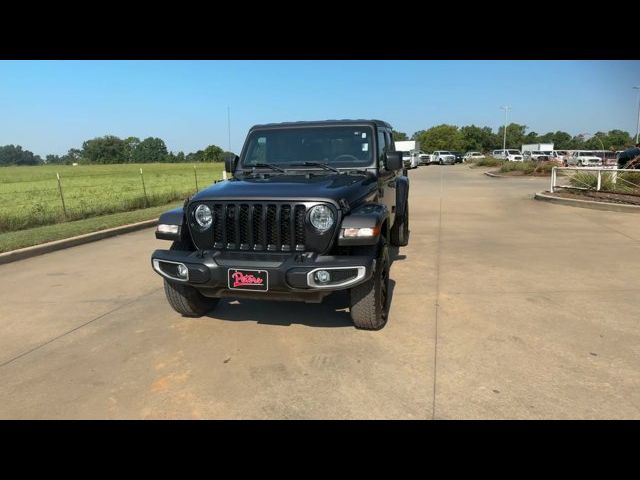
(606, 206)
(35, 250)
(493, 175)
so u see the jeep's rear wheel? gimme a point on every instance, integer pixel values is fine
(370, 301)
(187, 300)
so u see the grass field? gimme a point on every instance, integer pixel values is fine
(29, 196)
(49, 233)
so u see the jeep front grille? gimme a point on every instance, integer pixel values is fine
(272, 227)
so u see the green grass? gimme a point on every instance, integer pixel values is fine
(35, 236)
(29, 196)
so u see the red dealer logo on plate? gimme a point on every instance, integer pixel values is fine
(241, 279)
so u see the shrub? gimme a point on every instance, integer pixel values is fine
(590, 180)
(489, 162)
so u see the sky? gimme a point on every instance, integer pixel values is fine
(52, 106)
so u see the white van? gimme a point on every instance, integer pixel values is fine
(508, 155)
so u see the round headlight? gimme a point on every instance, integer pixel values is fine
(321, 217)
(203, 216)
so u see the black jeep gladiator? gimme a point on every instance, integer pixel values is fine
(312, 207)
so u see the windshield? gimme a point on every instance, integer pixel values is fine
(514, 152)
(444, 152)
(349, 146)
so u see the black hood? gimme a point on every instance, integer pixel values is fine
(351, 187)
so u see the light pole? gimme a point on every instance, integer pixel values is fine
(504, 140)
(638, 124)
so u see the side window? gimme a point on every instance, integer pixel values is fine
(382, 148)
(258, 152)
(390, 144)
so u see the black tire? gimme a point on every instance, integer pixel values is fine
(185, 299)
(370, 301)
(399, 235)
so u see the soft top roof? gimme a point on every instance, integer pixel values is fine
(320, 123)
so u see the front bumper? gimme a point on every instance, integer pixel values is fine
(289, 275)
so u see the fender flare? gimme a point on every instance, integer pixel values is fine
(402, 198)
(173, 217)
(369, 215)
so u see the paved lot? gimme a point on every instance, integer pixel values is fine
(503, 307)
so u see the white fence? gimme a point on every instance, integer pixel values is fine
(599, 173)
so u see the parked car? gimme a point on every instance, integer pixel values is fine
(536, 155)
(472, 156)
(423, 158)
(458, 155)
(311, 208)
(406, 159)
(559, 156)
(443, 157)
(411, 159)
(508, 155)
(583, 158)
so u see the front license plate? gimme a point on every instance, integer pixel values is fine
(242, 279)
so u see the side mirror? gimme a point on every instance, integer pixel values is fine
(394, 161)
(230, 163)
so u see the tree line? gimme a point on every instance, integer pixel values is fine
(483, 139)
(111, 149)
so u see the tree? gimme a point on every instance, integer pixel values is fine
(597, 141)
(441, 137)
(417, 135)
(74, 155)
(618, 140)
(107, 149)
(150, 150)
(399, 136)
(515, 135)
(531, 137)
(53, 160)
(213, 153)
(195, 156)
(561, 140)
(476, 138)
(15, 155)
(130, 145)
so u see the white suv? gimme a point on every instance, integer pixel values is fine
(508, 155)
(472, 156)
(443, 157)
(582, 158)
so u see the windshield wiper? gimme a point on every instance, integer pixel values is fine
(267, 165)
(314, 164)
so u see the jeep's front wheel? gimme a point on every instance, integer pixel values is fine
(370, 300)
(188, 301)
(399, 234)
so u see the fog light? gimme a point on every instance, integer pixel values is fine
(322, 276)
(183, 272)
